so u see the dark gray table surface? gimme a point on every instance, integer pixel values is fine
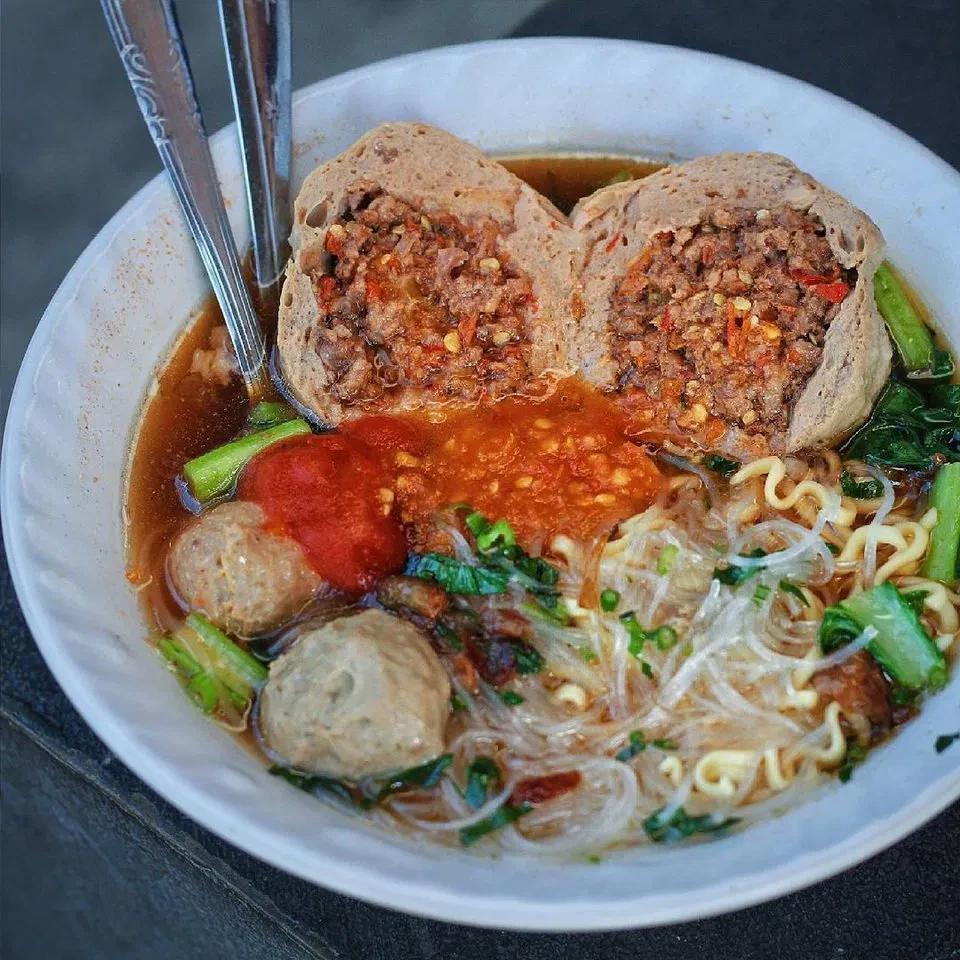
(95, 864)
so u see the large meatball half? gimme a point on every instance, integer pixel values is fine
(356, 697)
(244, 578)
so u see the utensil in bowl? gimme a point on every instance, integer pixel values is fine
(151, 49)
(256, 35)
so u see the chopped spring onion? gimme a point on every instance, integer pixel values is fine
(507, 814)
(681, 825)
(734, 575)
(909, 332)
(901, 645)
(457, 702)
(943, 557)
(527, 659)
(637, 744)
(760, 594)
(218, 675)
(482, 775)
(609, 600)
(726, 468)
(215, 472)
(490, 536)
(665, 744)
(867, 488)
(787, 586)
(666, 558)
(664, 637)
(511, 698)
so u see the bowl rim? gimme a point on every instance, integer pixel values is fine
(343, 878)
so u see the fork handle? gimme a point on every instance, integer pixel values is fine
(148, 40)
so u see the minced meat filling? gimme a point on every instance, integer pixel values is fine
(723, 323)
(418, 301)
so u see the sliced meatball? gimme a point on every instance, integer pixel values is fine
(245, 579)
(863, 693)
(356, 697)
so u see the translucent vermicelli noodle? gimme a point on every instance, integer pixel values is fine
(731, 721)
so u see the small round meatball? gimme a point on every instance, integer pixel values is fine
(356, 697)
(247, 580)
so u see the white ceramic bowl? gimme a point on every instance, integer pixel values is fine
(95, 353)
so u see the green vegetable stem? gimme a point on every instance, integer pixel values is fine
(215, 472)
(911, 336)
(943, 556)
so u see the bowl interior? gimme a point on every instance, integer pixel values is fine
(95, 355)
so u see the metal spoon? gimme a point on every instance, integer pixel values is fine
(148, 40)
(256, 34)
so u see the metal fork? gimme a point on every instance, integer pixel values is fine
(148, 40)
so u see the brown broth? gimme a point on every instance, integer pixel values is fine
(565, 179)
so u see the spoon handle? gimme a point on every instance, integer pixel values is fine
(148, 40)
(256, 34)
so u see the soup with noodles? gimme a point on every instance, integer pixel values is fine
(557, 533)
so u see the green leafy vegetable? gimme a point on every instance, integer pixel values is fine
(734, 575)
(483, 775)
(421, 777)
(609, 600)
(681, 825)
(311, 783)
(369, 793)
(854, 756)
(945, 740)
(665, 744)
(901, 646)
(666, 558)
(215, 472)
(943, 557)
(723, 466)
(527, 659)
(458, 577)
(787, 586)
(646, 669)
(507, 814)
(901, 696)
(908, 431)
(511, 698)
(860, 488)
(837, 629)
(637, 744)
(457, 702)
